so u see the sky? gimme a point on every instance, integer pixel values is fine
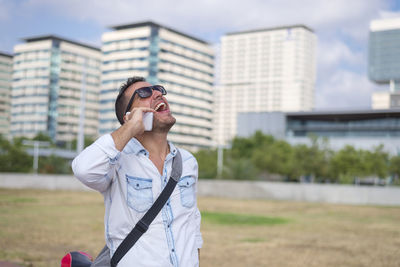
(341, 26)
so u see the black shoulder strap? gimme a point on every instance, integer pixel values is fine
(143, 224)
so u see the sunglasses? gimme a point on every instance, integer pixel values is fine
(145, 92)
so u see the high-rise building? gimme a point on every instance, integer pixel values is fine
(264, 70)
(180, 62)
(5, 92)
(384, 51)
(54, 80)
(384, 61)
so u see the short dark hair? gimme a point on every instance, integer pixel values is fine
(121, 102)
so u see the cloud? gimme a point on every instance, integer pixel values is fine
(4, 10)
(345, 90)
(210, 16)
(341, 77)
(341, 26)
(385, 14)
(335, 53)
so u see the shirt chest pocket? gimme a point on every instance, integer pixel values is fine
(187, 189)
(139, 193)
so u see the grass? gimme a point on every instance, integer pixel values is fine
(239, 219)
(38, 227)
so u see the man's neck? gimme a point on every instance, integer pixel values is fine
(155, 143)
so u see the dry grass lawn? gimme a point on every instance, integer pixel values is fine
(38, 227)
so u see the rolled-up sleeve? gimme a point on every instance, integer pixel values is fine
(95, 165)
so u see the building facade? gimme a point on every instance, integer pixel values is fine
(384, 51)
(54, 80)
(5, 92)
(262, 71)
(181, 63)
(386, 100)
(384, 61)
(363, 129)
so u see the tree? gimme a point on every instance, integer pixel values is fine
(276, 158)
(54, 164)
(239, 169)
(302, 161)
(43, 137)
(244, 147)
(395, 169)
(207, 161)
(13, 157)
(87, 142)
(318, 159)
(260, 155)
(377, 162)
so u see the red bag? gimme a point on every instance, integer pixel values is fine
(76, 259)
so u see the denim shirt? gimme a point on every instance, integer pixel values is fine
(130, 183)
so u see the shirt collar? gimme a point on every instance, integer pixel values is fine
(135, 147)
(172, 149)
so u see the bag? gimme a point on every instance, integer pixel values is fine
(103, 259)
(81, 259)
(76, 259)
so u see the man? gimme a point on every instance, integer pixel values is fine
(130, 167)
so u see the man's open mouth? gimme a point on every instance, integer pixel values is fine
(161, 107)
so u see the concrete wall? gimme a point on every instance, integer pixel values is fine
(328, 193)
(41, 181)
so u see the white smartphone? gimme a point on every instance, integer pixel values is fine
(147, 120)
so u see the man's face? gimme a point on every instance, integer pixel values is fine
(162, 118)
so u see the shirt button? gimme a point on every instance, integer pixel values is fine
(173, 250)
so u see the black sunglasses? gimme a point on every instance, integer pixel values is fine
(145, 92)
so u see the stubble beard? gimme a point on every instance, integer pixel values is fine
(163, 126)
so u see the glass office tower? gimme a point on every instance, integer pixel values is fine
(384, 51)
(384, 62)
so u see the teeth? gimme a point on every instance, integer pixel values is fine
(159, 106)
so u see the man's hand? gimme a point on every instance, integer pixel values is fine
(134, 120)
(132, 127)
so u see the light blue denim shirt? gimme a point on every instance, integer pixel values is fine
(130, 183)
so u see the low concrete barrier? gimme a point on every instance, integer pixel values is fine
(41, 181)
(328, 193)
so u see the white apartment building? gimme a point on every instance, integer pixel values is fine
(181, 63)
(50, 77)
(261, 71)
(5, 92)
(385, 100)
